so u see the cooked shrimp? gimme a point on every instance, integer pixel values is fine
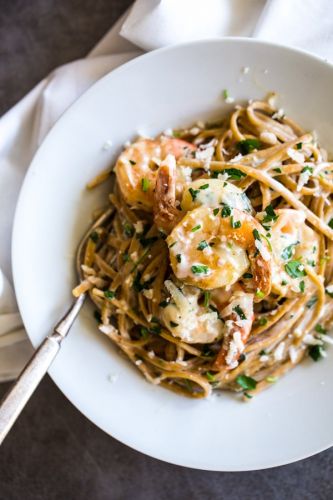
(188, 320)
(212, 248)
(212, 193)
(292, 241)
(238, 316)
(137, 165)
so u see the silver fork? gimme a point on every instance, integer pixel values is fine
(18, 395)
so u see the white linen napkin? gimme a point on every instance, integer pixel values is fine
(149, 24)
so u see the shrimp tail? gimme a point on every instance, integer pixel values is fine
(166, 215)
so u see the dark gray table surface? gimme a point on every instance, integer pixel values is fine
(54, 452)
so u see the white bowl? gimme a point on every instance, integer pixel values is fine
(166, 88)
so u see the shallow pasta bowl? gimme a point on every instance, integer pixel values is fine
(167, 88)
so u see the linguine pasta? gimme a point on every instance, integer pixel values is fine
(216, 269)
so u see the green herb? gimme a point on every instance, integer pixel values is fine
(248, 145)
(278, 170)
(293, 269)
(284, 283)
(206, 299)
(262, 321)
(155, 329)
(288, 251)
(132, 162)
(144, 332)
(234, 173)
(330, 223)
(193, 193)
(302, 286)
(210, 376)
(97, 316)
(226, 211)
(128, 229)
(247, 395)
(330, 294)
(145, 242)
(242, 357)
(94, 236)
(235, 224)
(320, 329)
(173, 324)
(196, 228)
(299, 145)
(247, 383)
(262, 352)
(176, 133)
(178, 257)
(203, 244)
(271, 379)
(311, 302)
(311, 262)
(199, 269)
(247, 276)
(163, 304)
(239, 311)
(256, 234)
(145, 184)
(109, 294)
(225, 94)
(216, 211)
(260, 294)
(204, 186)
(126, 258)
(316, 352)
(307, 169)
(270, 214)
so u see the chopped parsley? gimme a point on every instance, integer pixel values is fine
(204, 186)
(262, 321)
(288, 251)
(193, 193)
(247, 276)
(277, 170)
(284, 283)
(307, 169)
(128, 229)
(94, 236)
(206, 298)
(132, 162)
(173, 324)
(270, 214)
(178, 257)
(145, 184)
(235, 224)
(145, 242)
(144, 332)
(302, 286)
(316, 352)
(202, 245)
(163, 304)
(299, 145)
(199, 269)
(248, 145)
(97, 316)
(330, 223)
(226, 211)
(210, 376)
(256, 234)
(126, 258)
(320, 329)
(239, 311)
(247, 383)
(295, 269)
(260, 294)
(195, 228)
(216, 211)
(109, 294)
(271, 379)
(234, 173)
(225, 94)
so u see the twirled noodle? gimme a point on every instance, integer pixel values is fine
(259, 170)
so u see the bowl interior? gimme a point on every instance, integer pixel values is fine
(167, 88)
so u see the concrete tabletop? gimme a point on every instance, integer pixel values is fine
(54, 452)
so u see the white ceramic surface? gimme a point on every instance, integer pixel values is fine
(167, 88)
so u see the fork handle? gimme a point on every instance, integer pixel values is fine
(17, 397)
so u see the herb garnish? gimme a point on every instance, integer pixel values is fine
(247, 383)
(239, 311)
(295, 269)
(202, 245)
(248, 145)
(199, 269)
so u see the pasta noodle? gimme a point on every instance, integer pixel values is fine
(216, 269)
